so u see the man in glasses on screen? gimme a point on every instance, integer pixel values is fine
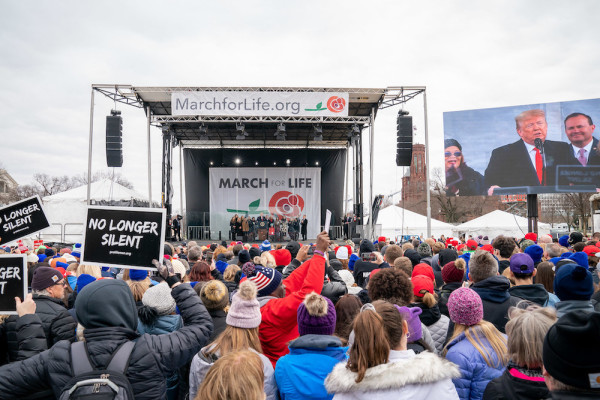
(530, 161)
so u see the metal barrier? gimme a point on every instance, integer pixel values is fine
(199, 232)
(336, 230)
(50, 234)
(78, 235)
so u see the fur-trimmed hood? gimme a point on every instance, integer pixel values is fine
(424, 368)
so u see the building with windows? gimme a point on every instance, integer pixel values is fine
(414, 182)
(7, 186)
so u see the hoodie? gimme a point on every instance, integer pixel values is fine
(535, 293)
(117, 309)
(496, 299)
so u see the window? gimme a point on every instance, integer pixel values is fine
(3, 187)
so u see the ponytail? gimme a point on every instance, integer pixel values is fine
(429, 300)
(370, 347)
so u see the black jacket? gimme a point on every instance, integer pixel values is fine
(444, 294)
(27, 335)
(219, 324)
(153, 359)
(502, 265)
(496, 300)
(535, 293)
(464, 181)
(508, 387)
(362, 270)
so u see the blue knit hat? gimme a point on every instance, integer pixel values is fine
(353, 258)
(564, 241)
(573, 282)
(83, 280)
(535, 252)
(221, 266)
(42, 257)
(266, 279)
(265, 246)
(580, 258)
(137, 274)
(49, 252)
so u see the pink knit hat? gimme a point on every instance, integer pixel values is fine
(245, 310)
(465, 307)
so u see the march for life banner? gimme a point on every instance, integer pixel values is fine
(289, 192)
(261, 104)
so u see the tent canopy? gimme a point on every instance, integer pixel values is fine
(103, 190)
(392, 223)
(497, 223)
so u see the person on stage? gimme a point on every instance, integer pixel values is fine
(304, 227)
(461, 180)
(522, 163)
(232, 228)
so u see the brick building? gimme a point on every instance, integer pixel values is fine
(414, 182)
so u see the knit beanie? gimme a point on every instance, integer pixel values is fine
(413, 256)
(353, 259)
(179, 268)
(159, 297)
(535, 252)
(411, 316)
(254, 252)
(316, 315)
(575, 237)
(293, 247)
(214, 295)
(137, 274)
(49, 252)
(525, 244)
(42, 258)
(580, 258)
(531, 236)
(245, 310)
(341, 253)
(44, 277)
(266, 279)
(465, 307)
(32, 258)
(421, 285)
(366, 247)
(423, 269)
(221, 266)
(571, 348)
(447, 255)
(83, 280)
(282, 257)
(564, 241)
(424, 250)
(265, 246)
(573, 282)
(244, 256)
(454, 271)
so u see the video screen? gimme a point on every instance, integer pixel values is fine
(535, 148)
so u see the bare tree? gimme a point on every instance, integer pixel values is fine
(82, 179)
(449, 206)
(49, 185)
(575, 209)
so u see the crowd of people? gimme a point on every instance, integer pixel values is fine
(279, 228)
(468, 318)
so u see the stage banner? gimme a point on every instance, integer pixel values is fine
(260, 104)
(21, 219)
(13, 281)
(288, 192)
(129, 237)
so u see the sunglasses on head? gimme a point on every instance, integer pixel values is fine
(455, 154)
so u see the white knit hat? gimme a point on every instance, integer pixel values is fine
(159, 297)
(178, 268)
(245, 309)
(342, 253)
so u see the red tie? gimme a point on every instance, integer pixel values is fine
(539, 165)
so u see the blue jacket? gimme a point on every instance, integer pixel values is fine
(475, 373)
(301, 373)
(164, 324)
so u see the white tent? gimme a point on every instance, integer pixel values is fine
(392, 223)
(497, 223)
(66, 211)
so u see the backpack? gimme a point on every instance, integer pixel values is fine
(101, 384)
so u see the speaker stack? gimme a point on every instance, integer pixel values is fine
(404, 134)
(114, 139)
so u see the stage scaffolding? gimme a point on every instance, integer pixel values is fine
(219, 131)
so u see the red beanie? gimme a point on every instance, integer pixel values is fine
(423, 269)
(454, 271)
(381, 239)
(282, 256)
(531, 236)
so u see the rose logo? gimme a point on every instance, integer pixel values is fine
(285, 203)
(336, 104)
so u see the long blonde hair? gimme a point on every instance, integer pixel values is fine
(526, 331)
(92, 270)
(138, 288)
(473, 335)
(222, 380)
(233, 339)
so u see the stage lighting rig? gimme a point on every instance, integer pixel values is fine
(354, 132)
(318, 133)
(241, 131)
(280, 134)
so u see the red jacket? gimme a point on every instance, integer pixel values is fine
(279, 316)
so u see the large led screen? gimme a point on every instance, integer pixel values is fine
(535, 148)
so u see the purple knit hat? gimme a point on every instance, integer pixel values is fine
(245, 310)
(316, 315)
(411, 316)
(465, 307)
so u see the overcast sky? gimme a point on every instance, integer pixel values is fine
(469, 55)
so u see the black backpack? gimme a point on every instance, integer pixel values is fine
(101, 384)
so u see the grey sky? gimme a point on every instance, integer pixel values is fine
(468, 54)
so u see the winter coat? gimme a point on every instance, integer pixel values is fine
(573, 395)
(405, 376)
(436, 323)
(201, 364)
(496, 300)
(153, 359)
(475, 373)
(513, 384)
(566, 306)
(334, 287)
(362, 271)
(444, 294)
(535, 293)
(28, 336)
(301, 373)
(163, 324)
(279, 323)
(219, 323)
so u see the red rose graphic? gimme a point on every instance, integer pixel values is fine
(286, 203)
(336, 104)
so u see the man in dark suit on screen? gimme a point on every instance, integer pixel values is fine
(530, 161)
(584, 146)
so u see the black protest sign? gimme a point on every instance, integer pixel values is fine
(21, 219)
(13, 281)
(123, 236)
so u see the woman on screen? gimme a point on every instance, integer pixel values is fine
(461, 180)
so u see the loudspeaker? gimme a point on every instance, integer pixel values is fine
(114, 140)
(404, 134)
